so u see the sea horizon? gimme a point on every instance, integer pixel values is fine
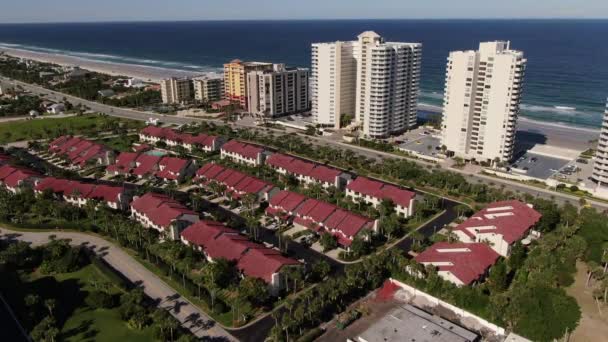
(566, 79)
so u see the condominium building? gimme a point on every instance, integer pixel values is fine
(235, 79)
(600, 167)
(481, 101)
(176, 90)
(333, 82)
(388, 78)
(208, 89)
(278, 92)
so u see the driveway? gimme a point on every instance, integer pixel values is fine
(190, 316)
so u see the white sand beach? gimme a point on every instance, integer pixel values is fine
(145, 73)
(555, 134)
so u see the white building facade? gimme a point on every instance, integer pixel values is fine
(600, 166)
(388, 78)
(333, 82)
(481, 101)
(281, 91)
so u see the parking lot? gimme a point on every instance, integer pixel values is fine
(420, 141)
(539, 166)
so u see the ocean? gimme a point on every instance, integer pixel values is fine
(566, 79)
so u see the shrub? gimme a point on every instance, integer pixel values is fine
(219, 307)
(100, 300)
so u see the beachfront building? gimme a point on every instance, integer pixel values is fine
(374, 192)
(176, 90)
(600, 166)
(333, 82)
(277, 92)
(208, 89)
(500, 225)
(388, 78)
(235, 79)
(481, 102)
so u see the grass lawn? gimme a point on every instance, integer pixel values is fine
(50, 127)
(123, 143)
(80, 322)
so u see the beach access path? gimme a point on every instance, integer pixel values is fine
(514, 186)
(191, 318)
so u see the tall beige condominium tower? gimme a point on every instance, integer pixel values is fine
(481, 101)
(281, 91)
(208, 89)
(388, 78)
(333, 82)
(600, 167)
(176, 90)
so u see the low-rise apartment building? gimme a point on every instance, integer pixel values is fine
(374, 192)
(237, 184)
(80, 194)
(207, 143)
(500, 225)
(14, 178)
(308, 172)
(176, 90)
(80, 152)
(160, 212)
(244, 153)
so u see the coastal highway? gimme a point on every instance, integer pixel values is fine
(514, 186)
(188, 314)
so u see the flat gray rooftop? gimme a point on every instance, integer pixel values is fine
(538, 166)
(410, 324)
(421, 145)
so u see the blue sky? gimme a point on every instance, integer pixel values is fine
(119, 10)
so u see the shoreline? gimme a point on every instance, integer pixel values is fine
(557, 134)
(144, 72)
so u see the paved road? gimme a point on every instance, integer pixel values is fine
(138, 115)
(191, 318)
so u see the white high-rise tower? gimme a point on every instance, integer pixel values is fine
(600, 167)
(388, 77)
(481, 102)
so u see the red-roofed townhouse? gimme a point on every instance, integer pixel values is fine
(152, 134)
(14, 179)
(175, 169)
(81, 152)
(146, 166)
(459, 263)
(125, 162)
(248, 185)
(237, 183)
(208, 172)
(115, 197)
(312, 214)
(204, 142)
(345, 226)
(501, 224)
(204, 233)
(266, 264)
(243, 153)
(77, 193)
(374, 192)
(163, 214)
(307, 172)
(284, 204)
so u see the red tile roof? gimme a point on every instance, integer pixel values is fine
(4, 158)
(12, 176)
(230, 247)
(511, 219)
(172, 167)
(381, 190)
(235, 180)
(243, 149)
(204, 233)
(466, 261)
(147, 165)
(316, 210)
(287, 200)
(160, 209)
(106, 193)
(263, 263)
(78, 150)
(302, 167)
(348, 223)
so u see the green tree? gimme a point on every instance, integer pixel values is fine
(328, 242)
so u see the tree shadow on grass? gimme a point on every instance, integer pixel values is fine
(83, 331)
